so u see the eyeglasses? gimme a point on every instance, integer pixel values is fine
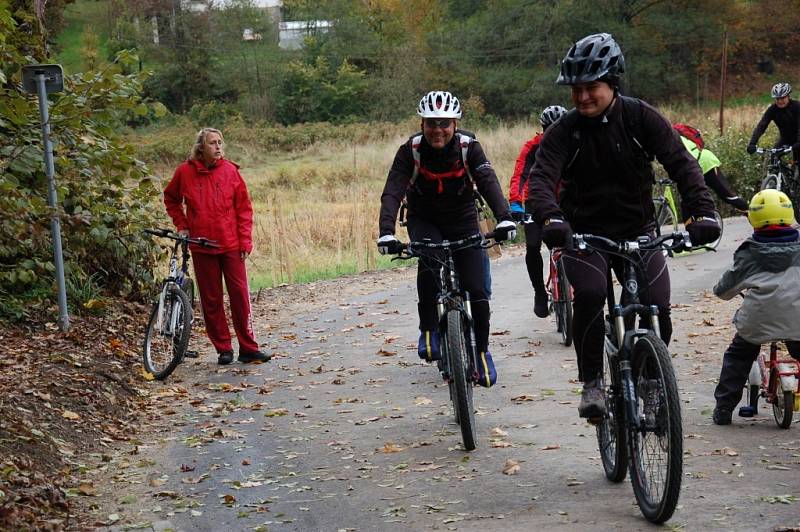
(441, 123)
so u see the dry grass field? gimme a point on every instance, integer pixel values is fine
(317, 208)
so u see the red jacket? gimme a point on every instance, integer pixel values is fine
(216, 203)
(518, 188)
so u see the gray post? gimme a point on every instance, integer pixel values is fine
(52, 201)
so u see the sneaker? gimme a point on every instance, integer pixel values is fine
(225, 357)
(428, 346)
(256, 356)
(593, 400)
(722, 416)
(487, 375)
(540, 304)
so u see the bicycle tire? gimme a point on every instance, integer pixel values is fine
(611, 435)
(771, 181)
(658, 404)
(161, 353)
(783, 414)
(721, 222)
(564, 306)
(462, 380)
(188, 287)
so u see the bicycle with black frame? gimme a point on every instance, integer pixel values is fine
(642, 431)
(459, 361)
(667, 213)
(167, 335)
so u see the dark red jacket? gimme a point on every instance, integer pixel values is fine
(211, 203)
(518, 188)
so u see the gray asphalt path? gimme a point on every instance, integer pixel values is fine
(347, 430)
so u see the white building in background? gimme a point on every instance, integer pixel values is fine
(292, 33)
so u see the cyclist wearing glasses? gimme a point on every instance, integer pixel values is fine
(207, 197)
(785, 112)
(518, 199)
(600, 156)
(429, 171)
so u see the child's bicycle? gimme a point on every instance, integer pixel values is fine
(777, 381)
(457, 347)
(667, 218)
(642, 431)
(167, 335)
(559, 294)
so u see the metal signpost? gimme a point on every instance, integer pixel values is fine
(43, 80)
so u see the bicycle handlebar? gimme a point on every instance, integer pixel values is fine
(783, 150)
(408, 249)
(679, 241)
(168, 233)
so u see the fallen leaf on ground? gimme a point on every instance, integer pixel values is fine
(511, 467)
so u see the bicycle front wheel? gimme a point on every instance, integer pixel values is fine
(167, 334)
(771, 181)
(721, 223)
(564, 306)
(462, 380)
(656, 445)
(611, 430)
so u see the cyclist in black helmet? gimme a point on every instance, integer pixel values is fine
(785, 112)
(600, 155)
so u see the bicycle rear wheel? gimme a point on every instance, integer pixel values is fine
(656, 446)
(783, 407)
(564, 306)
(167, 334)
(462, 380)
(611, 435)
(188, 287)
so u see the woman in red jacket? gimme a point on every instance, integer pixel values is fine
(518, 200)
(207, 198)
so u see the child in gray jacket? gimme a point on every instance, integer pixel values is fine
(766, 271)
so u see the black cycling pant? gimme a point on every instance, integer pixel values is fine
(716, 181)
(588, 275)
(533, 253)
(469, 264)
(736, 364)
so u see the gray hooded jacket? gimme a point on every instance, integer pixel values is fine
(769, 276)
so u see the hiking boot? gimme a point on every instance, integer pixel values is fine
(593, 400)
(225, 358)
(722, 416)
(256, 356)
(487, 375)
(428, 346)
(540, 304)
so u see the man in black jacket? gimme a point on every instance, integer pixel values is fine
(600, 155)
(435, 171)
(785, 112)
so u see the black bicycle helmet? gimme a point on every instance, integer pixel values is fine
(595, 57)
(551, 114)
(779, 90)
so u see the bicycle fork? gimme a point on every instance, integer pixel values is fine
(173, 317)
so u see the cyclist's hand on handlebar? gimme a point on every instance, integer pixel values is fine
(556, 233)
(702, 230)
(738, 203)
(505, 230)
(389, 245)
(751, 149)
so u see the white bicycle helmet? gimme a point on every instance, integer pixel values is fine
(439, 104)
(551, 114)
(779, 90)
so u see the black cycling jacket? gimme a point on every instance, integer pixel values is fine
(605, 168)
(446, 201)
(787, 120)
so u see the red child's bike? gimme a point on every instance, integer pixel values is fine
(776, 380)
(559, 294)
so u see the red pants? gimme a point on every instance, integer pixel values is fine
(209, 270)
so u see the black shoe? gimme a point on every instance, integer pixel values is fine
(722, 416)
(190, 353)
(257, 356)
(225, 357)
(540, 304)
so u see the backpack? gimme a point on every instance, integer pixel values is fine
(691, 133)
(463, 140)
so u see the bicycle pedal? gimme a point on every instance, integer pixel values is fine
(746, 411)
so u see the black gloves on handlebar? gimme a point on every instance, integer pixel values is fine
(751, 149)
(702, 230)
(557, 233)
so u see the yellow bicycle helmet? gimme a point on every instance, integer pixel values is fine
(770, 207)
